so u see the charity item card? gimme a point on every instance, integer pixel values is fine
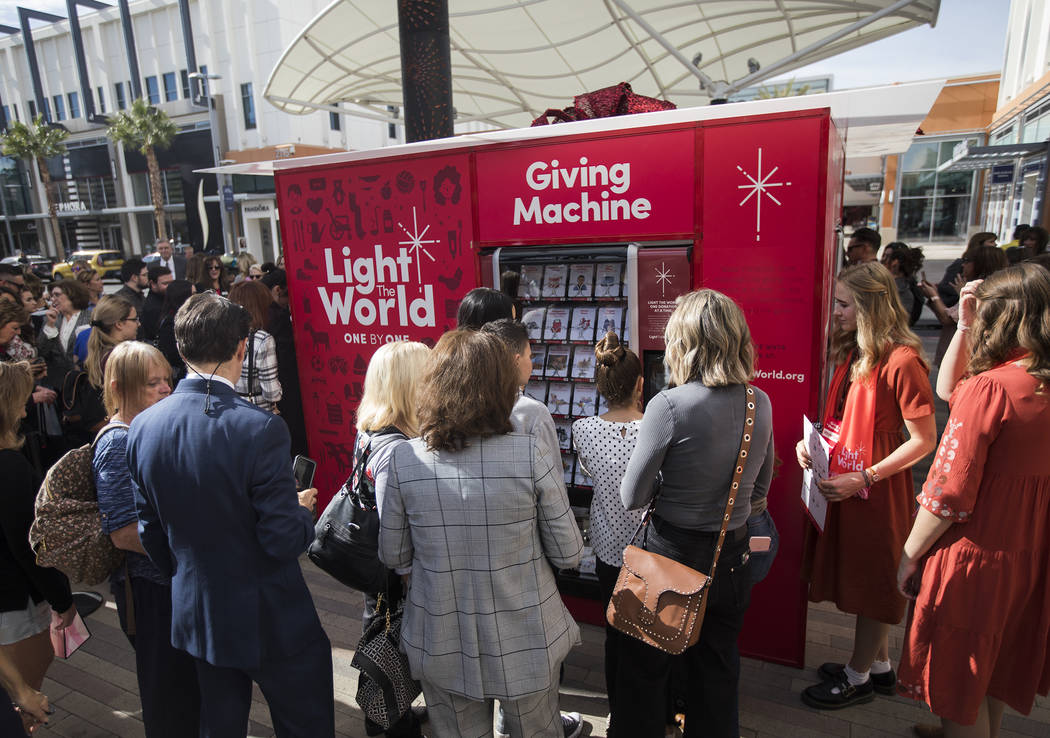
(531, 281)
(820, 454)
(603, 405)
(557, 324)
(581, 280)
(539, 359)
(537, 390)
(607, 281)
(583, 363)
(583, 319)
(588, 561)
(625, 339)
(559, 398)
(609, 319)
(567, 467)
(580, 478)
(533, 320)
(584, 400)
(564, 430)
(554, 276)
(557, 362)
(66, 641)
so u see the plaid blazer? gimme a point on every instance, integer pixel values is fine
(482, 529)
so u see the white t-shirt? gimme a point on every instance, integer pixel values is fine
(604, 448)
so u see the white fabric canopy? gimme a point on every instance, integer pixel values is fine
(873, 122)
(513, 59)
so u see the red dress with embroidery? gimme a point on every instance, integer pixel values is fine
(981, 622)
(853, 563)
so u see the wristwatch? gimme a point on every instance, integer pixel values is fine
(873, 472)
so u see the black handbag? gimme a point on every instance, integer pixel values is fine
(385, 689)
(346, 537)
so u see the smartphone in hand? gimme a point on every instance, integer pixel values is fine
(303, 469)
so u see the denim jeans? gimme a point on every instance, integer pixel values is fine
(762, 525)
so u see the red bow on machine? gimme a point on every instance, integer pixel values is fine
(604, 103)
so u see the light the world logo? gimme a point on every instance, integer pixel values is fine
(376, 284)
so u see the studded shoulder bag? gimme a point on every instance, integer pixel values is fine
(659, 600)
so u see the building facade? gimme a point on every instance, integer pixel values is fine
(102, 191)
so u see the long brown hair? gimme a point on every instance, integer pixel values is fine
(224, 278)
(110, 310)
(468, 389)
(881, 320)
(255, 298)
(1013, 313)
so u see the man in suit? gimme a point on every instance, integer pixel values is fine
(176, 263)
(218, 513)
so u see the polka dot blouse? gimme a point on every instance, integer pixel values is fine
(604, 448)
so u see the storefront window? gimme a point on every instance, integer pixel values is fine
(171, 183)
(933, 206)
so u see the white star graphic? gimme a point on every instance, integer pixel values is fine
(663, 277)
(416, 242)
(759, 186)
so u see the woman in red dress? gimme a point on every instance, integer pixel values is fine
(881, 383)
(979, 551)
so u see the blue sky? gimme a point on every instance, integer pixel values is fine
(969, 37)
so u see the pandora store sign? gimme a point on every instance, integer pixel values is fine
(596, 188)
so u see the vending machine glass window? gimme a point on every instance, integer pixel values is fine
(569, 299)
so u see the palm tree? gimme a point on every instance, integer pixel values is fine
(147, 129)
(788, 90)
(38, 142)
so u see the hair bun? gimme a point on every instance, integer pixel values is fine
(609, 351)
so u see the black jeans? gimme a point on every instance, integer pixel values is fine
(713, 664)
(167, 676)
(606, 581)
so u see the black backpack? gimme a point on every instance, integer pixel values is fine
(346, 542)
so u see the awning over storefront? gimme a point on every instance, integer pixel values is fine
(513, 59)
(967, 158)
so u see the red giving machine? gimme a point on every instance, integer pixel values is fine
(605, 222)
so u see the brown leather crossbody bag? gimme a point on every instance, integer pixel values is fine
(659, 600)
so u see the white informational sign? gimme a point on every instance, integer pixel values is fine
(819, 453)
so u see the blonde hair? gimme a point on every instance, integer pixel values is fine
(16, 384)
(245, 262)
(128, 367)
(104, 318)
(708, 341)
(390, 387)
(882, 322)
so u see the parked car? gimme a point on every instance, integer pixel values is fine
(41, 266)
(106, 263)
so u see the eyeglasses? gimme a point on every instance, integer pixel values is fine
(136, 318)
(214, 268)
(255, 276)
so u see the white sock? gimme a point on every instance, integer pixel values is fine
(856, 678)
(881, 667)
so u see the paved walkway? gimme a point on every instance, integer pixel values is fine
(96, 696)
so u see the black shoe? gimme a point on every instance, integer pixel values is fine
(885, 683)
(838, 693)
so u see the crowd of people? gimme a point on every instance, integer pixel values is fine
(474, 516)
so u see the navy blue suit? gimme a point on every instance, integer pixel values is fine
(218, 513)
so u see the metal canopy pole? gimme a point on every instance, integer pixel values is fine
(426, 69)
(78, 52)
(129, 47)
(24, 16)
